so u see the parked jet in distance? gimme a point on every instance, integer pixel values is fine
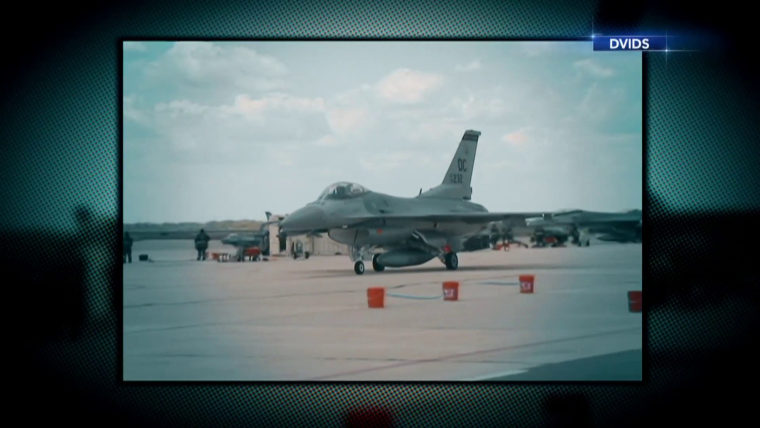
(557, 236)
(395, 231)
(579, 224)
(246, 242)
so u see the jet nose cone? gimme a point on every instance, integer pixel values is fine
(303, 220)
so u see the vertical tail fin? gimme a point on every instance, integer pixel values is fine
(456, 182)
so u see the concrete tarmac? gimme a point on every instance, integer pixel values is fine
(303, 320)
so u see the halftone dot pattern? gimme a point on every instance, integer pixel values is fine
(697, 163)
(701, 163)
(64, 152)
(395, 19)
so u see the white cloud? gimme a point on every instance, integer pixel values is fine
(407, 86)
(247, 107)
(348, 120)
(600, 104)
(178, 108)
(285, 103)
(516, 138)
(537, 49)
(135, 46)
(479, 106)
(206, 69)
(328, 141)
(384, 162)
(131, 112)
(592, 68)
(233, 132)
(433, 132)
(471, 66)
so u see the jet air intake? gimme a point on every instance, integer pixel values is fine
(404, 257)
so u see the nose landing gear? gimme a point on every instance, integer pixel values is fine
(359, 267)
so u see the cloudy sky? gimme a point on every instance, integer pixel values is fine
(228, 130)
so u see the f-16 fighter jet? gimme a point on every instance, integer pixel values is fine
(396, 231)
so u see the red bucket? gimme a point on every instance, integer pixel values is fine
(526, 283)
(451, 290)
(376, 297)
(634, 301)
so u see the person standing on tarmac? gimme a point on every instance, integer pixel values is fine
(201, 244)
(127, 248)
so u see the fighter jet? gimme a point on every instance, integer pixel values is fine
(396, 231)
(245, 242)
(579, 224)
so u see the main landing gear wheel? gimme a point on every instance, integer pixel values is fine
(452, 261)
(359, 267)
(375, 265)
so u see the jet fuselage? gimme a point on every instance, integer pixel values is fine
(368, 220)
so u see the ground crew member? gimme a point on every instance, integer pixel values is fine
(127, 248)
(201, 244)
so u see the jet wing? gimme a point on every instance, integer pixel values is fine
(587, 219)
(464, 217)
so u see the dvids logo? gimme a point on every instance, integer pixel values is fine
(629, 44)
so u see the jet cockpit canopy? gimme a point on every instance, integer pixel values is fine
(342, 190)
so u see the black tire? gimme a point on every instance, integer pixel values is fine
(306, 255)
(375, 265)
(452, 261)
(359, 267)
